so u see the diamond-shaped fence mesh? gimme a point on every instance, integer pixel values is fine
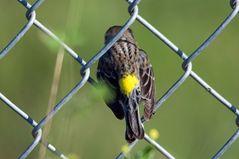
(85, 73)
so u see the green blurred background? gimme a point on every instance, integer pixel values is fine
(192, 124)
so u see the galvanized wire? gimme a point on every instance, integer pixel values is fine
(186, 64)
(158, 147)
(85, 73)
(21, 33)
(33, 123)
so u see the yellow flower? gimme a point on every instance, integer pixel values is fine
(127, 83)
(154, 134)
(125, 149)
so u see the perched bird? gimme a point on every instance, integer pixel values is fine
(126, 70)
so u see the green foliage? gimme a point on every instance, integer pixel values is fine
(52, 44)
(73, 156)
(147, 153)
(103, 90)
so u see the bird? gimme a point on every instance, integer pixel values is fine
(126, 70)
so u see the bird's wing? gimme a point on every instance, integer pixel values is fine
(134, 127)
(147, 85)
(106, 74)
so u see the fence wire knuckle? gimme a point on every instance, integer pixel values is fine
(85, 74)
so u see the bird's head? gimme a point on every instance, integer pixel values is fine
(112, 31)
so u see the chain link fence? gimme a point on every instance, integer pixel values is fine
(85, 73)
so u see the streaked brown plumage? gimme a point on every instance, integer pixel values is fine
(124, 59)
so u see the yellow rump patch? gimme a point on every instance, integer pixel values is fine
(127, 83)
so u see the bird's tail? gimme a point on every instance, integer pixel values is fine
(134, 127)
